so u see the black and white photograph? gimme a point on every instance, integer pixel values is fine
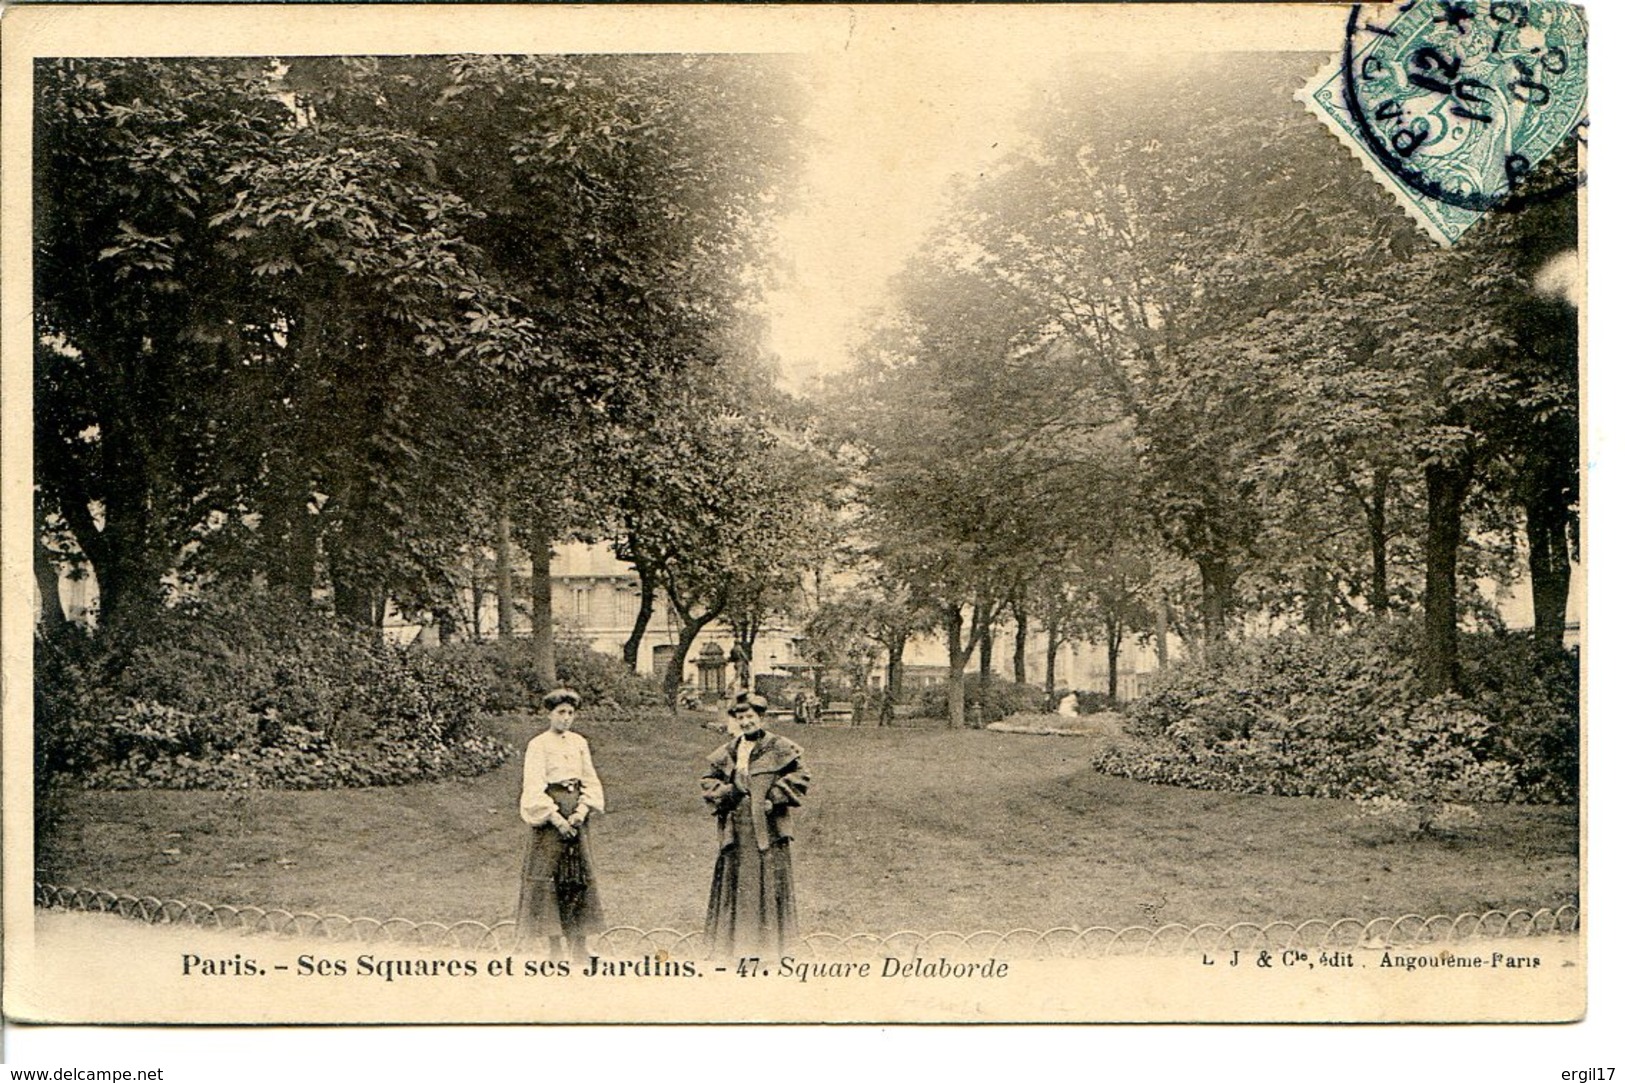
(796, 515)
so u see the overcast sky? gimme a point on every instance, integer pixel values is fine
(891, 130)
(905, 101)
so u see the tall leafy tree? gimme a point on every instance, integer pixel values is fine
(323, 320)
(1244, 299)
(974, 479)
(122, 271)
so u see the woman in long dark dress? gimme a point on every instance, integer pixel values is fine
(751, 784)
(558, 899)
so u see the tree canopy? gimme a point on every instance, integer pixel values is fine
(323, 321)
(1325, 414)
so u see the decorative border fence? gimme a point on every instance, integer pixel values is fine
(1407, 931)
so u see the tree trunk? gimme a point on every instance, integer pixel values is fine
(291, 566)
(504, 544)
(646, 608)
(1052, 650)
(1162, 631)
(894, 679)
(1218, 585)
(745, 650)
(542, 655)
(1546, 525)
(447, 627)
(1446, 492)
(958, 654)
(692, 625)
(75, 510)
(128, 585)
(956, 697)
(982, 628)
(1018, 660)
(1317, 601)
(1114, 646)
(672, 682)
(52, 620)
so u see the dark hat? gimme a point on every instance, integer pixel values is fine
(748, 701)
(561, 695)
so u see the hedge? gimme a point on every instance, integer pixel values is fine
(1345, 716)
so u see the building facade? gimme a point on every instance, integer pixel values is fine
(595, 602)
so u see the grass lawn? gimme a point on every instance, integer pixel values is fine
(907, 828)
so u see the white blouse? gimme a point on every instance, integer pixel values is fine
(554, 757)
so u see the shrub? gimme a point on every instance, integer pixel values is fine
(1093, 702)
(998, 698)
(1344, 716)
(255, 691)
(1531, 698)
(507, 679)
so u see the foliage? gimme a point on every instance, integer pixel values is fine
(1532, 695)
(284, 291)
(723, 513)
(1300, 373)
(1346, 716)
(509, 682)
(997, 699)
(1090, 702)
(257, 691)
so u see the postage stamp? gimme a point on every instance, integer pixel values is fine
(1451, 104)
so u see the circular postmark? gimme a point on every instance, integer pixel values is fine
(1461, 99)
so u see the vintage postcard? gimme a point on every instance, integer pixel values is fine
(718, 514)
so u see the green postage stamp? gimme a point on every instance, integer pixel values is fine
(1451, 104)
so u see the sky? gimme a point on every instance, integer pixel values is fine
(890, 132)
(900, 106)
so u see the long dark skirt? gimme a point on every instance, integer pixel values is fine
(558, 894)
(752, 910)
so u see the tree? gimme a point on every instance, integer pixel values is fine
(120, 275)
(1241, 302)
(1134, 247)
(972, 485)
(323, 320)
(721, 519)
(872, 615)
(621, 205)
(250, 343)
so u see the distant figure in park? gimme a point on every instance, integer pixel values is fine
(558, 899)
(1068, 705)
(860, 707)
(800, 708)
(742, 668)
(751, 784)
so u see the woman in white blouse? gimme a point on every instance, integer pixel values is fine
(558, 898)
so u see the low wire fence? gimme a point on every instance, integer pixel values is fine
(1062, 942)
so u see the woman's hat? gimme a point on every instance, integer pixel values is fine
(748, 701)
(561, 695)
